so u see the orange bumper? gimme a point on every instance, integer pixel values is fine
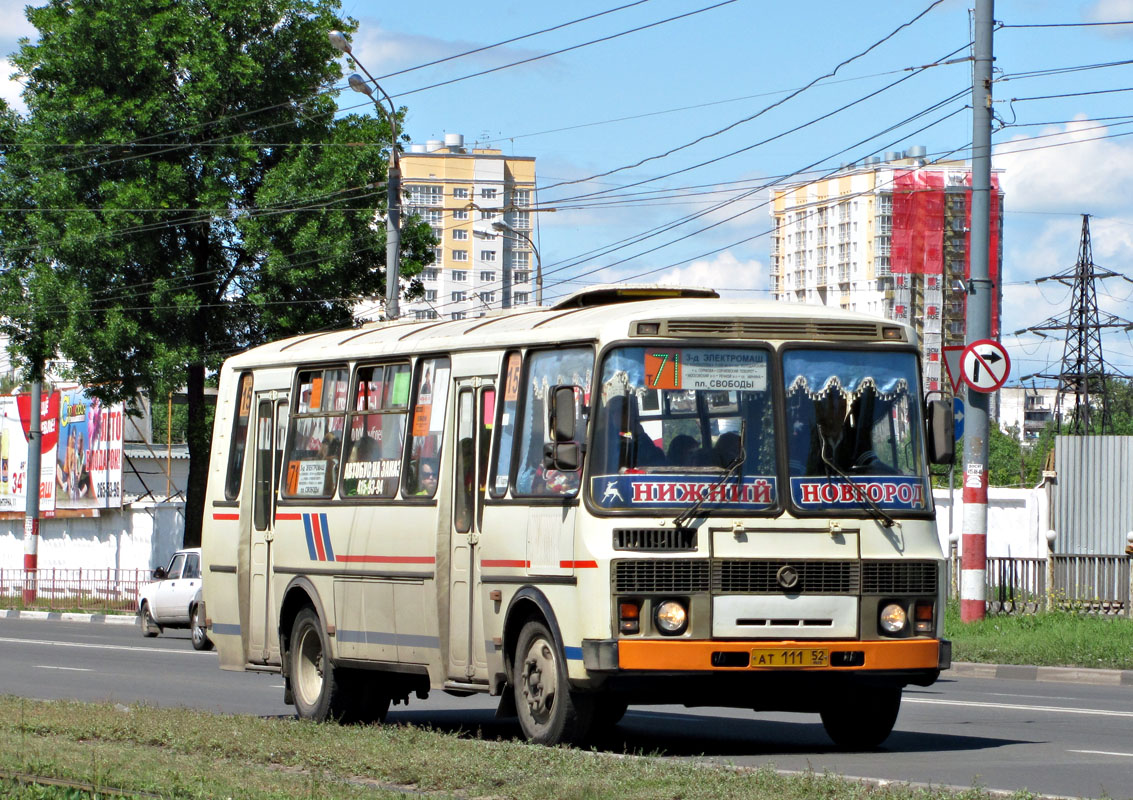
(684, 655)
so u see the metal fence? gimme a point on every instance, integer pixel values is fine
(1083, 583)
(85, 590)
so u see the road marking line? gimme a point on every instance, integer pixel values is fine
(107, 647)
(1014, 707)
(69, 669)
(1101, 753)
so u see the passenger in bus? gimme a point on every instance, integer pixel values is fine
(427, 478)
(329, 450)
(684, 451)
(727, 449)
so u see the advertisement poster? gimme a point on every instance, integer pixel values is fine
(15, 421)
(88, 464)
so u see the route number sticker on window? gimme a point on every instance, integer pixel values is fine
(700, 369)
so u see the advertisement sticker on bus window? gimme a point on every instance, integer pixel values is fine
(730, 370)
(311, 477)
(401, 388)
(316, 393)
(421, 416)
(368, 478)
(896, 492)
(752, 493)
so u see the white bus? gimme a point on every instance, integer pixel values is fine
(640, 495)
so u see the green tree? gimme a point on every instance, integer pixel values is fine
(181, 189)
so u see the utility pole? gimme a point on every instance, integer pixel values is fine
(973, 566)
(31, 518)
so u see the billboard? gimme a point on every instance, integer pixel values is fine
(88, 464)
(15, 422)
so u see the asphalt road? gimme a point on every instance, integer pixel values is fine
(1066, 739)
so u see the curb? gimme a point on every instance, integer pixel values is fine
(1019, 672)
(60, 616)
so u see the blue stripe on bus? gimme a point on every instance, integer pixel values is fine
(573, 653)
(383, 637)
(326, 537)
(310, 537)
(225, 629)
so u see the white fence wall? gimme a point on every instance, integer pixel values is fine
(1017, 521)
(140, 536)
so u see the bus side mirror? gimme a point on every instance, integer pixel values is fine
(941, 437)
(563, 452)
(562, 413)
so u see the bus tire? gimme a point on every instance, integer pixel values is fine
(549, 712)
(863, 719)
(320, 693)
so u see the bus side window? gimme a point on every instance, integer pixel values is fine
(376, 431)
(546, 368)
(240, 422)
(428, 427)
(505, 424)
(315, 434)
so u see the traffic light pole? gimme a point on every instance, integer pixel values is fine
(973, 567)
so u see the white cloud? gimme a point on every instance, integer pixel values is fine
(1070, 167)
(10, 89)
(1111, 11)
(725, 273)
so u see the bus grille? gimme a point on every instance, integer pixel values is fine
(660, 540)
(732, 576)
(772, 329)
(814, 577)
(670, 575)
(899, 577)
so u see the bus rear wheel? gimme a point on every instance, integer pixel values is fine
(864, 719)
(316, 685)
(549, 712)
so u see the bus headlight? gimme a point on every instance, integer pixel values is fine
(671, 618)
(893, 618)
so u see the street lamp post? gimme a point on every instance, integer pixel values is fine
(503, 227)
(393, 176)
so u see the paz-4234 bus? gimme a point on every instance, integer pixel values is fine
(640, 495)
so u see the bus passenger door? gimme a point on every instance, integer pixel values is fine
(271, 426)
(475, 412)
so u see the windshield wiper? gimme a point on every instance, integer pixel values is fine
(729, 472)
(863, 497)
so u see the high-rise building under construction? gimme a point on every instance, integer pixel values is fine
(887, 236)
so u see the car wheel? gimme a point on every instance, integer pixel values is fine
(549, 712)
(862, 720)
(150, 628)
(201, 640)
(316, 685)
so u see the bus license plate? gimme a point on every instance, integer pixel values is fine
(786, 657)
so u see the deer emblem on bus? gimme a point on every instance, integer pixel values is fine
(612, 493)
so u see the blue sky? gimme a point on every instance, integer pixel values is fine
(603, 107)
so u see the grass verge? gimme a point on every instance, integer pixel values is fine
(1049, 638)
(121, 751)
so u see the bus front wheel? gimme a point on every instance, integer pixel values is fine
(317, 689)
(864, 719)
(549, 712)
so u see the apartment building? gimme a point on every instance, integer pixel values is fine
(886, 236)
(462, 193)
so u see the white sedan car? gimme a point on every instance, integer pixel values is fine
(173, 600)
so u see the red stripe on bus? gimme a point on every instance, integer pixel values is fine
(230, 517)
(318, 535)
(578, 565)
(386, 559)
(505, 562)
(282, 516)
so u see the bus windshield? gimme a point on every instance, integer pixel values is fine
(853, 418)
(681, 425)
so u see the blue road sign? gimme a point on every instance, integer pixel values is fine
(958, 418)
